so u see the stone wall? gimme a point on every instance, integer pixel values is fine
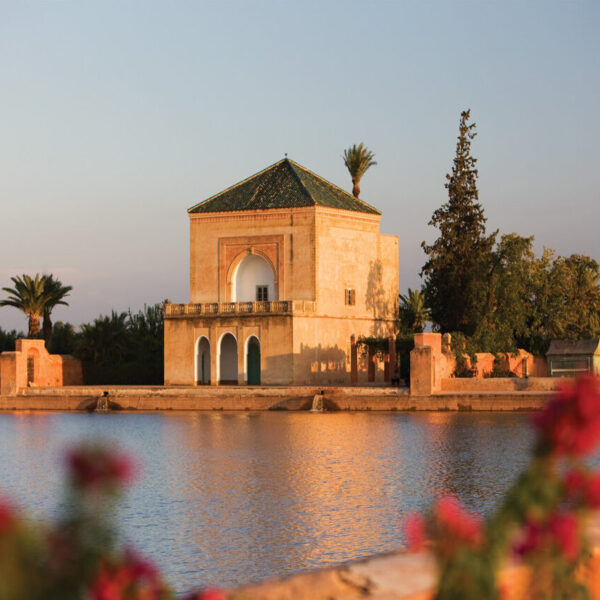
(432, 367)
(30, 365)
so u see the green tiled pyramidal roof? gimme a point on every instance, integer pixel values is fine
(285, 184)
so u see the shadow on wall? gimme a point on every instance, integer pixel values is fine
(376, 301)
(313, 365)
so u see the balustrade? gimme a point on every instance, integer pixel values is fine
(231, 308)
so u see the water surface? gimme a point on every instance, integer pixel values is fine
(225, 498)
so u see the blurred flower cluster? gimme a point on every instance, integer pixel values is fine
(542, 522)
(78, 557)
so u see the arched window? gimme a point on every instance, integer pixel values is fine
(253, 280)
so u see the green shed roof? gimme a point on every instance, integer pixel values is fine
(285, 184)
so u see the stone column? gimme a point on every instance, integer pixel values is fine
(353, 361)
(242, 380)
(392, 358)
(370, 363)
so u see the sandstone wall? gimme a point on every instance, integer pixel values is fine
(32, 366)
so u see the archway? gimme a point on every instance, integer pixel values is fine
(253, 360)
(253, 280)
(228, 360)
(202, 365)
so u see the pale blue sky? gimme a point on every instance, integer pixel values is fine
(115, 117)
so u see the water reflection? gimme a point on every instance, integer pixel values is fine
(229, 497)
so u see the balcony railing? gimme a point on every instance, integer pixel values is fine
(280, 307)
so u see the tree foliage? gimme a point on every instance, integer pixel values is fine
(36, 297)
(413, 313)
(358, 159)
(27, 294)
(500, 296)
(123, 348)
(54, 293)
(455, 271)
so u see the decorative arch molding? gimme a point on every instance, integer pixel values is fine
(233, 250)
(237, 261)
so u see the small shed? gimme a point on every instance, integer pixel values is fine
(568, 358)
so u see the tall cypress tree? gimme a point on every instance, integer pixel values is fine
(456, 272)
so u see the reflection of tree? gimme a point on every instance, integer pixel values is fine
(376, 301)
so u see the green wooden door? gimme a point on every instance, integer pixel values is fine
(253, 362)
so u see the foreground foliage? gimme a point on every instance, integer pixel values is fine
(543, 520)
(79, 557)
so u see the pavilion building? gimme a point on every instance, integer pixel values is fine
(286, 271)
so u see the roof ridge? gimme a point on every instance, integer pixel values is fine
(327, 182)
(291, 164)
(231, 187)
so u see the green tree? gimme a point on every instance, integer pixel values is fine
(64, 338)
(105, 340)
(358, 159)
(456, 272)
(27, 295)
(412, 311)
(505, 314)
(8, 339)
(54, 292)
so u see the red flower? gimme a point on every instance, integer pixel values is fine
(563, 528)
(414, 531)
(92, 467)
(570, 424)
(575, 483)
(592, 490)
(7, 516)
(133, 579)
(207, 594)
(460, 524)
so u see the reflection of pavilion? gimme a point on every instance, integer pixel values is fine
(284, 268)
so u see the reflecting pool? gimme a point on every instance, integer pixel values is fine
(225, 498)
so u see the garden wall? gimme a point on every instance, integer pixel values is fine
(30, 365)
(432, 370)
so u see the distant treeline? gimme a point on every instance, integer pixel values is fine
(123, 348)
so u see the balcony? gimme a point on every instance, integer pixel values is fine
(281, 307)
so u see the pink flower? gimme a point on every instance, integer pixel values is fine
(207, 594)
(132, 579)
(93, 467)
(570, 424)
(531, 539)
(414, 531)
(459, 524)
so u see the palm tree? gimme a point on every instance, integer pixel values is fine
(413, 312)
(54, 291)
(357, 160)
(28, 296)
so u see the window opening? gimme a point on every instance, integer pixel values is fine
(262, 293)
(350, 297)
